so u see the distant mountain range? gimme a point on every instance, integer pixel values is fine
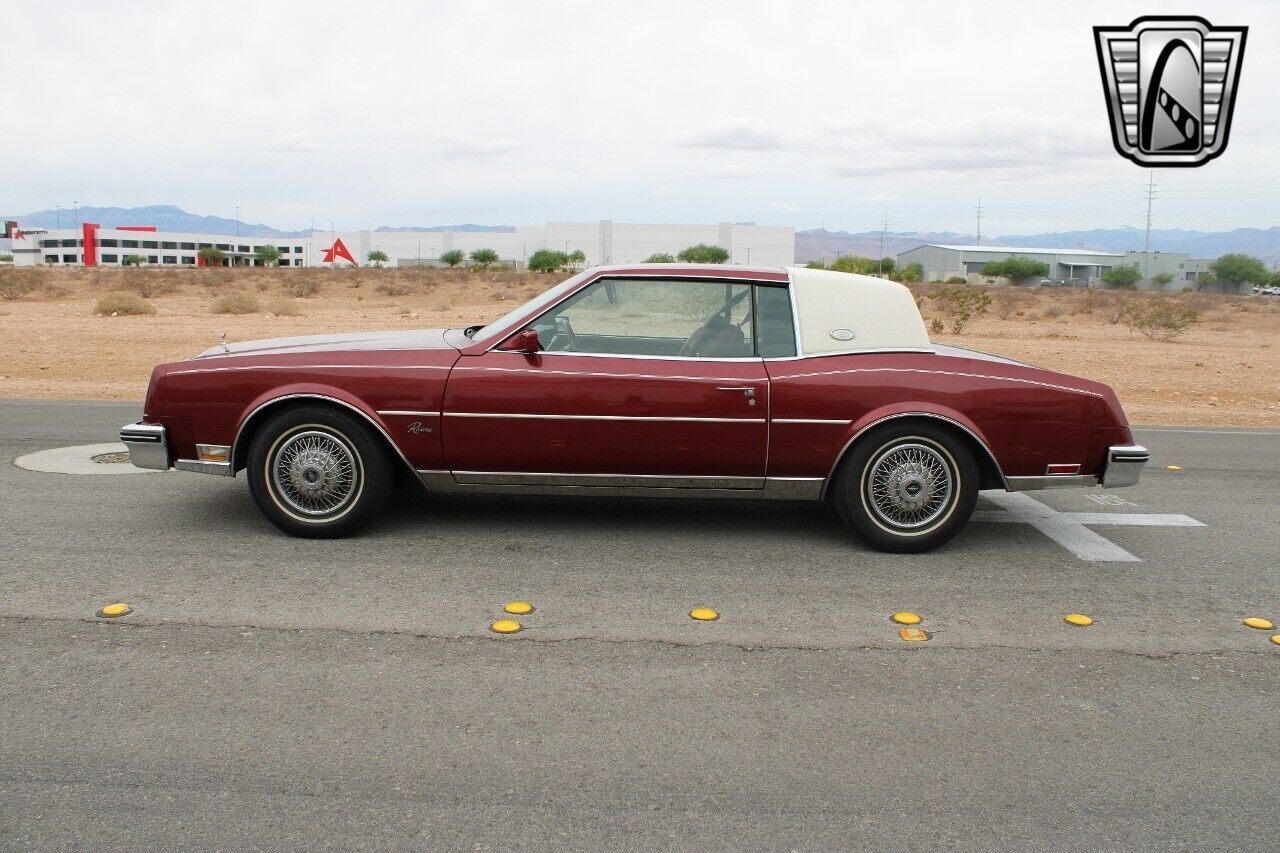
(168, 217)
(1264, 243)
(812, 244)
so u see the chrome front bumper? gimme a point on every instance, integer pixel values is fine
(1124, 465)
(148, 446)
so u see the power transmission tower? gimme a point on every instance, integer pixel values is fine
(978, 240)
(884, 226)
(1146, 249)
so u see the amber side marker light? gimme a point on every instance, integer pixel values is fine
(213, 452)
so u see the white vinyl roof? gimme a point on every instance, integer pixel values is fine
(1019, 250)
(844, 312)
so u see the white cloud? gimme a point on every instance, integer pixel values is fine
(297, 143)
(579, 110)
(738, 135)
(466, 148)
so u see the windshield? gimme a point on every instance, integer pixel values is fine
(534, 305)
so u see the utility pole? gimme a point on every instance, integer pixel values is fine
(1146, 250)
(884, 226)
(978, 239)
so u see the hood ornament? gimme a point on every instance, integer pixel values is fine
(222, 342)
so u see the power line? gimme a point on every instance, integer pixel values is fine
(1146, 251)
(978, 238)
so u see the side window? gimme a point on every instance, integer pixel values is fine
(654, 317)
(775, 325)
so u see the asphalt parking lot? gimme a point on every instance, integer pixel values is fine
(270, 691)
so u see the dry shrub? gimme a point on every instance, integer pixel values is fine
(394, 288)
(148, 286)
(283, 306)
(302, 288)
(1007, 302)
(1053, 312)
(53, 290)
(125, 303)
(959, 305)
(16, 283)
(1160, 319)
(236, 302)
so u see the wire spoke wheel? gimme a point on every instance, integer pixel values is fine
(315, 473)
(910, 485)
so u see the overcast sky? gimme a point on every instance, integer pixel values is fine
(787, 113)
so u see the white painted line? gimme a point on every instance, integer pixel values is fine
(1134, 519)
(1072, 535)
(1274, 433)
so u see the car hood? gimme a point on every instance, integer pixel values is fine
(400, 339)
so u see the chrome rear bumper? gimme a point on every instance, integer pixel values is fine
(1124, 465)
(148, 445)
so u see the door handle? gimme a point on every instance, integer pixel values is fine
(747, 390)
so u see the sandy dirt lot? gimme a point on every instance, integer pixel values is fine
(1225, 371)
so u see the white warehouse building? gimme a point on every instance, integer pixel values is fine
(941, 262)
(601, 242)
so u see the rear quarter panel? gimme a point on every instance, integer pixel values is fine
(1026, 416)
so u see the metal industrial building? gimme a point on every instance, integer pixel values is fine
(941, 262)
(601, 242)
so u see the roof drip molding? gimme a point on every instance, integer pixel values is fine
(880, 314)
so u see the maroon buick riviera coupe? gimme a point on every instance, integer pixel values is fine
(660, 380)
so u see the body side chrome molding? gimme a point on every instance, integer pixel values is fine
(198, 466)
(410, 414)
(622, 485)
(235, 445)
(1051, 481)
(840, 456)
(654, 419)
(829, 421)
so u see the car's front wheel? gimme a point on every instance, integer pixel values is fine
(318, 472)
(907, 488)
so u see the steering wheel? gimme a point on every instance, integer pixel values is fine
(561, 337)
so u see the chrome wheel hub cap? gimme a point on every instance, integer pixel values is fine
(909, 485)
(315, 473)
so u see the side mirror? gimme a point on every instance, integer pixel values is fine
(526, 341)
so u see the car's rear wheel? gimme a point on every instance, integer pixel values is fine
(908, 487)
(318, 472)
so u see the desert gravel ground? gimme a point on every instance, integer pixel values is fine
(1224, 372)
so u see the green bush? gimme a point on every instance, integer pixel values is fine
(1124, 276)
(704, 254)
(1016, 269)
(957, 279)
(484, 258)
(239, 302)
(547, 260)
(660, 258)
(123, 303)
(453, 257)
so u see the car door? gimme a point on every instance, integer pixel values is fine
(641, 382)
